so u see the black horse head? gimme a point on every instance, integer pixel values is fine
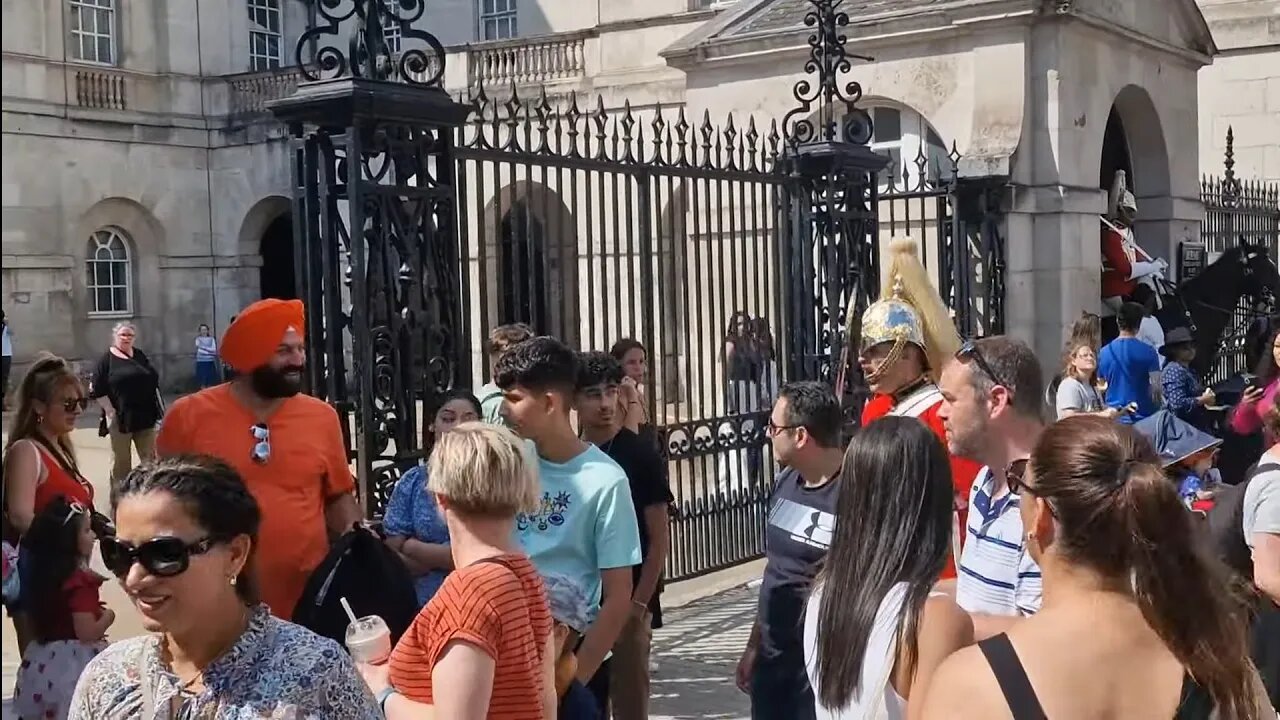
(1208, 302)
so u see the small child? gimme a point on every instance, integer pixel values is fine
(568, 603)
(69, 618)
(1188, 455)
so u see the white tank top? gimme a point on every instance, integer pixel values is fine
(876, 699)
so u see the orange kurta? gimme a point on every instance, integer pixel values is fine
(307, 469)
(963, 470)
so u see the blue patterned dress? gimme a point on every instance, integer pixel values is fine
(275, 670)
(412, 512)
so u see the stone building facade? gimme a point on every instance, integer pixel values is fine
(144, 181)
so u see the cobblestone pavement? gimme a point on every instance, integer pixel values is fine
(696, 653)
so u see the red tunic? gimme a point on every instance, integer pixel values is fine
(963, 470)
(1117, 265)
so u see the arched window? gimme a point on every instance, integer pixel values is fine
(909, 141)
(110, 280)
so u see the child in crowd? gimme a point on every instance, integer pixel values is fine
(1188, 455)
(69, 617)
(568, 602)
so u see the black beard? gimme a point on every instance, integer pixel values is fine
(270, 383)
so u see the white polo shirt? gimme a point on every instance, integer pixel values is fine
(997, 575)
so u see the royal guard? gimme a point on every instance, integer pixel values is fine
(1124, 264)
(907, 336)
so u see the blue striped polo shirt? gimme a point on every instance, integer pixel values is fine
(997, 575)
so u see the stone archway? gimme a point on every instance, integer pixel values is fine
(1134, 140)
(267, 231)
(530, 261)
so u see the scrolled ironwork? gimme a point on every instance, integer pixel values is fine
(419, 60)
(817, 116)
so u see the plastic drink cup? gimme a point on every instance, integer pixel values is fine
(369, 640)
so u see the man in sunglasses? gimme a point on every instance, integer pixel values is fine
(992, 408)
(906, 338)
(287, 446)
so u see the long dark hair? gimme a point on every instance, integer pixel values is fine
(1267, 369)
(53, 545)
(893, 525)
(1118, 515)
(212, 493)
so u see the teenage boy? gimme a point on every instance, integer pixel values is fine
(586, 527)
(599, 380)
(501, 339)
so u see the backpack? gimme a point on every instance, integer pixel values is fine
(1226, 524)
(373, 579)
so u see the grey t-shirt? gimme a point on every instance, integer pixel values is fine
(1075, 395)
(1261, 509)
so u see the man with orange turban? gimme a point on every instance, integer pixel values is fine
(287, 446)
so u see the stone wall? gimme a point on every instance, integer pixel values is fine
(1241, 89)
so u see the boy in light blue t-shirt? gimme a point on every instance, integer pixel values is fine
(585, 529)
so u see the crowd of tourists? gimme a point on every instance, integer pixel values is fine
(959, 555)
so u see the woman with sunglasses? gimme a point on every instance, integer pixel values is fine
(39, 460)
(412, 521)
(187, 529)
(67, 613)
(1136, 622)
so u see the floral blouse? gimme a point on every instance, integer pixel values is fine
(275, 670)
(412, 512)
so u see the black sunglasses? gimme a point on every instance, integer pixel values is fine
(162, 556)
(73, 404)
(969, 351)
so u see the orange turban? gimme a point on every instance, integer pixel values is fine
(252, 339)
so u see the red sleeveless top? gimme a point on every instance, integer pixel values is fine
(57, 481)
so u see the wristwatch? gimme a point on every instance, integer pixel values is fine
(383, 695)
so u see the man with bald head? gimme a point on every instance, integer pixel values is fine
(287, 446)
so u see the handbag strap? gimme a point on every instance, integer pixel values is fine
(1011, 676)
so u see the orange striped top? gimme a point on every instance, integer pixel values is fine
(500, 607)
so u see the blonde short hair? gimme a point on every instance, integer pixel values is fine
(484, 469)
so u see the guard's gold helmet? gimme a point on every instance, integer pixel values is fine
(910, 311)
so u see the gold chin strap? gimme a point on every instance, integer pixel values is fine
(894, 356)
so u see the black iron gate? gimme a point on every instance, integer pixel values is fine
(732, 252)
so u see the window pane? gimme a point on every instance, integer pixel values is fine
(888, 122)
(104, 49)
(102, 22)
(102, 300)
(273, 48)
(120, 300)
(101, 274)
(119, 274)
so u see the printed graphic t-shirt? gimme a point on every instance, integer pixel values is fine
(498, 605)
(1126, 364)
(307, 469)
(585, 522)
(797, 536)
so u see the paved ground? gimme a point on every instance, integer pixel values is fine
(695, 653)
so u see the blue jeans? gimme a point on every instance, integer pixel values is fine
(206, 373)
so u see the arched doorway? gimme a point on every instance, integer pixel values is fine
(276, 277)
(521, 250)
(1115, 152)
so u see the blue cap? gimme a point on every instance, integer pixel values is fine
(1174, 439)
(568, 601)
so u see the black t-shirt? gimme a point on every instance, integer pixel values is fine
(647, 475)
(131, 385)
(797, 536)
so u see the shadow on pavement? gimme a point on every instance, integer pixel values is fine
(696, 654)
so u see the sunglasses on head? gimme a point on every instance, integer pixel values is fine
(969, 352)
(162, 556)
(261, 452)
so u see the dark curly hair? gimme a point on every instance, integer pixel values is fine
(213, 494)
(541, 364)
(598, 368)
(52, 544)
